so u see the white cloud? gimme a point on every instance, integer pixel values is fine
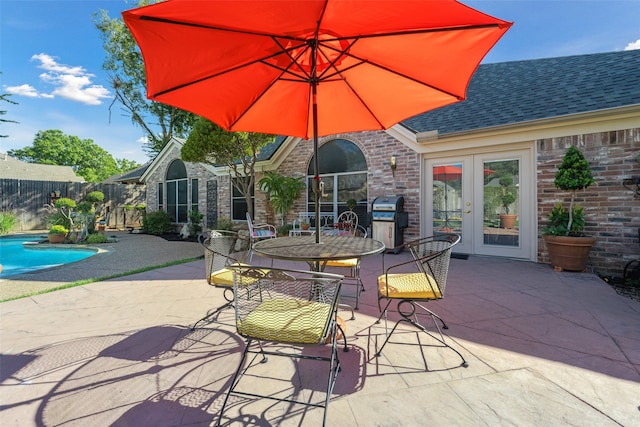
(70, 82)
(23, 90)
(143, 140)
(633, 45)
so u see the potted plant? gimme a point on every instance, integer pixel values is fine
(507, 198)
(568, 247)
(305, 225)
(351, 204)
(57, 233)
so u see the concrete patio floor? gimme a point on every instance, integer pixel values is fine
(544, 348)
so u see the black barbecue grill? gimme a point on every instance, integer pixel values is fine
(388, 221)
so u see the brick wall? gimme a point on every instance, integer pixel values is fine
(612, 213)
(194, 170)
(377, 147)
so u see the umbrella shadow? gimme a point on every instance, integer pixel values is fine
(163, 372)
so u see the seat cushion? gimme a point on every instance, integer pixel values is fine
(286, 320)
(224, 277)
(263, 233)
(408, 286)
(349, 263)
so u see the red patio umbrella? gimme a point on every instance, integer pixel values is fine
(313, 67)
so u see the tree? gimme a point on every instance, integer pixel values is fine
(209, 143)
(125, 68)
(52, 147)
(282, 191)
(5, 97)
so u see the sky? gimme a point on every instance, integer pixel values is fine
(51, 59)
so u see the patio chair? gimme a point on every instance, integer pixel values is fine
(431, 256)
(259, 232)
(218, 247)
(281, 313)
(347, 225)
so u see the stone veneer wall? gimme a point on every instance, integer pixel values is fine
(612, 213)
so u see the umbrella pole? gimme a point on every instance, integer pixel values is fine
(316, 162)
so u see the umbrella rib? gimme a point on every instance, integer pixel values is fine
(229, 70)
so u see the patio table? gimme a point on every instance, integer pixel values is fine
(305, 248)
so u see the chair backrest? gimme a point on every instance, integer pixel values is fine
(250, 224)
(219, 245)
(348, 218)
(291, 306)
(432, 255)
(345, 225)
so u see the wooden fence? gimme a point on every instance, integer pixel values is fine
(29, 200)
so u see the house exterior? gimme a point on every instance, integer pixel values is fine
(11, 168)
(518, 119)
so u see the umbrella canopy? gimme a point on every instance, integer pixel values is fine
(452, 172)
(313, 67)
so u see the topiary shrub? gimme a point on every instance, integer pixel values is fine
(96, 238)
(157, 223)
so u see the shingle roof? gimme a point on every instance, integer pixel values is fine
(11, 168)
(521, 91)
(131, 177)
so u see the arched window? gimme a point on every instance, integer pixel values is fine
(177, 191)
(343, 170)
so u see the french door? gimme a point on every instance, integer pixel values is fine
(487, 198)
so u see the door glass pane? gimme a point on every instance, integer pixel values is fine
(501, 202)
(447, 198)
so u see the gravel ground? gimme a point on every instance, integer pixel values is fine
(130, 252)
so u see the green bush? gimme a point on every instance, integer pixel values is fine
(195, 218)
(283, 230)
(7, 221)
(224, 224)
(157, 223)
(96, 238)
(58, 229)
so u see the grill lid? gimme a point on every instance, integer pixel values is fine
(388, 203)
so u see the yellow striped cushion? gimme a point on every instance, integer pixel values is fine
(351, 262)
(287, 320)
(408, 285)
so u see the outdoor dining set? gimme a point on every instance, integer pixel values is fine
(297, 308)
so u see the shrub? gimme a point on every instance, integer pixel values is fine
(157, 223)
(96, 238)
(58, 229)
(224, 224)
(195, 218)
(283, 230)
(7, 221)
(95, 197)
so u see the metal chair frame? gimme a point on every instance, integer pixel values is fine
(277, 289)
(347, 222)
(431, 255)
(254, 233)
(218, 247)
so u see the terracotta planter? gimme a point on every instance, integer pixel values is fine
(568, 253)
(305, 226)
(508, 220)
(56, 238)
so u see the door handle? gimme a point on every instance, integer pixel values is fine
(467, 211)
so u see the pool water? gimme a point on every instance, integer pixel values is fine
(19, 258)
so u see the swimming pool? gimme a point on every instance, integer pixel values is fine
(21, 254)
